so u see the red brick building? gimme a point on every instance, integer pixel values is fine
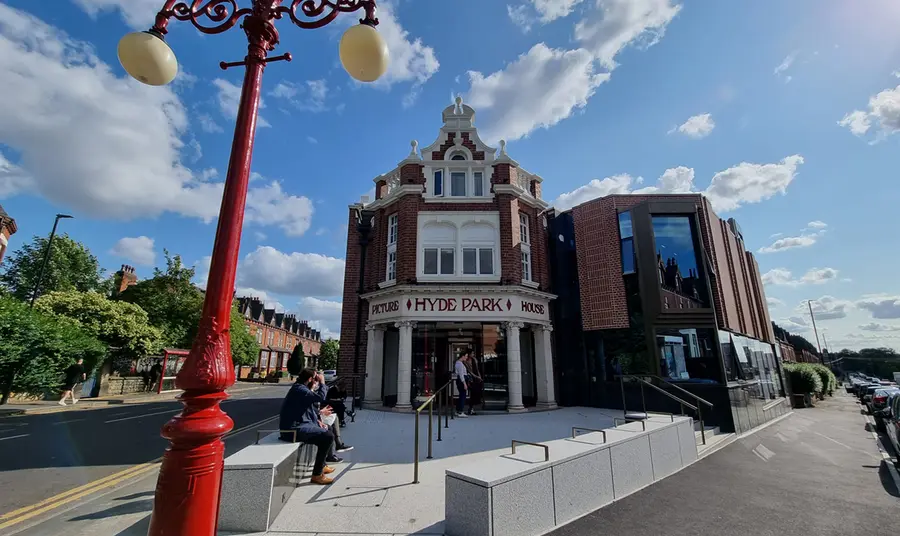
(7, 229)
(456, 261)
(659, 284)
(277, 334)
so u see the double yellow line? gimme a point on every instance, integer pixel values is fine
(28, 512)
(132, 473)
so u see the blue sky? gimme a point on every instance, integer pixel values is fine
(784, 113)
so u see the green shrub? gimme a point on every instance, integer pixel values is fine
(804, 379)
(829, 381)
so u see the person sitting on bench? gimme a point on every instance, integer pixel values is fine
(299, 420)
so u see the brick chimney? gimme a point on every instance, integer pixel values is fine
(125, 278)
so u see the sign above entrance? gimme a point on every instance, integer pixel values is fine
(460, 307)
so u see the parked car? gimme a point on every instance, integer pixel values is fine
(868, 395)
(880, 406)
(867, 389)
(330, 375)
(892, 423)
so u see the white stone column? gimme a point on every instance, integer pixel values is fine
(374, 365)
(543, 351)
(514, 367)
(404, 365)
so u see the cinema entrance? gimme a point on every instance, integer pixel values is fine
(414, 338)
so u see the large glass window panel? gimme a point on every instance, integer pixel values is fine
(625, 225)
(447, 261)
(678, 271)
(458, 183)
(486, 261)
(470, 261)
(628, 263)
(478, 182)
(526, 266)
(688, 354)
(431, 261)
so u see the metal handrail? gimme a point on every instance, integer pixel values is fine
(545, 447)
(445, 400)
(772, 404)
(626, 421)
(682, 389)
(684, 404)
(575, 430)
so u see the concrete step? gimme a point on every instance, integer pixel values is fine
(714, 441)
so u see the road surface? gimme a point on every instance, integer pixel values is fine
(88, 453)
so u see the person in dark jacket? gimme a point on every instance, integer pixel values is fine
(299, 420)
(74, 375)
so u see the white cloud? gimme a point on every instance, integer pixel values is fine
(115, 143)
(880, 305)
(139, 250)
(411, 60)
(790, 242)
(751, 183)
(617, 184)
(883, 113)
(673, 181)
(816, 225)
(783, 276)
(877, 326)
(776, 235)
(785, 65)
(544, 86)
(323, 315)
(309, 96)
(229, 97)
(208, 124)
(773, 302)
(538, 90)
(615, 24)
(270, 205)
(826, 308)
(794, 324)
(698, 126)
(294, 274)
(550, 10)
(520, 16)
(139, 14)
(312, 140)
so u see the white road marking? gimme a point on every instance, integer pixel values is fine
(13, 437)
(67, 422)
(143, 415)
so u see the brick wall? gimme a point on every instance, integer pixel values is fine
(450, 143)
(767, 333)
(350, 302)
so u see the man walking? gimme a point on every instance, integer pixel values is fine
(74, 374)
(460, 369)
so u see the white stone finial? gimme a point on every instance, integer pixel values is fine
(459, 109)
(503, 148)
(414, 148)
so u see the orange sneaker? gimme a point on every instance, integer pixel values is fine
(327, 470)
(322, 480)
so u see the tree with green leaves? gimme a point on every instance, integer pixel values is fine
(120, 325)
(328, 355)
(35, 348)
(297, 361)
(173, 304)
(71, 266)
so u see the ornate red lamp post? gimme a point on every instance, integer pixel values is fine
(187, 492)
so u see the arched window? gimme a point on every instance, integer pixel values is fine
(458, 156)
(477, 242)
(439, 249)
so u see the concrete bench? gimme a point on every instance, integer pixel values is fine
(258, 480)
(535, 489)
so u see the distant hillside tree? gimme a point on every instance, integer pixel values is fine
(71, 266)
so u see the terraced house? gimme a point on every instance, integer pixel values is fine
(277, 334)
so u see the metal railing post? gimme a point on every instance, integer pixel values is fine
(447, 402)
(622, 384)
(430, 418)
(416, 463)
(643, 400)
(440, 409)
(702, 428)
(452, 412)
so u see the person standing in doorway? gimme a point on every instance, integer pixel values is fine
(460, 369)
(74, 374)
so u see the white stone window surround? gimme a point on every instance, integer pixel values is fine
(393, 233)
(470, 230)
(469, 167)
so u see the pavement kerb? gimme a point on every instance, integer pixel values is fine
(886, 458)
(95, 403)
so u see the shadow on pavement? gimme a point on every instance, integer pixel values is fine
(145, 505)
(138, 529)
